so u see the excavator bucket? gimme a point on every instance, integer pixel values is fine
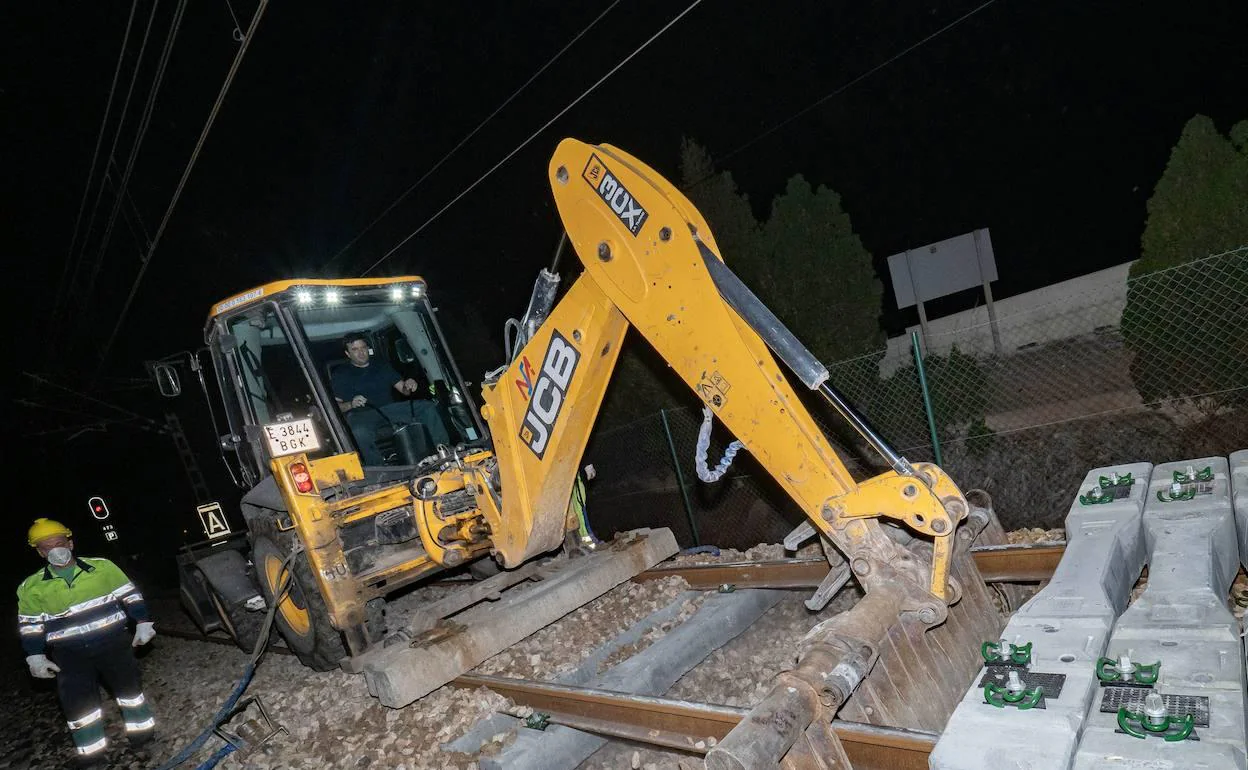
(922, 673)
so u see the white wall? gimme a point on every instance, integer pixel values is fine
(1067, 309)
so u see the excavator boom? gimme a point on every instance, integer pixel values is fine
(651, 261)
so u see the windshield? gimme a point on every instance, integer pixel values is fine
(383, 364)
(377, 354)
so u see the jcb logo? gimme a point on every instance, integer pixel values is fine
(610, 190)
(548, 394)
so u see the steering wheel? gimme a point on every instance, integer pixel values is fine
(402, 448)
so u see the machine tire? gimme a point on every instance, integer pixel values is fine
(241, 624)
(302, 616)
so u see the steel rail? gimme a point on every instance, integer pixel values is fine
(691, 727)
(996, 563)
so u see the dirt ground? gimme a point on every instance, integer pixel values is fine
(333, 722)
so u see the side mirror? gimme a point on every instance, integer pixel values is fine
(167, 381)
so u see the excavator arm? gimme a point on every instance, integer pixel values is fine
(651, 261)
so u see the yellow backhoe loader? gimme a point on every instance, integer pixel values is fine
(446, 482)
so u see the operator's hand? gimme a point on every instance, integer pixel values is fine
(407, 387)
(143, 633)
(41, 667)
(358, 402)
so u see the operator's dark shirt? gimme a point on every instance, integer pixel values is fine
(374, 382)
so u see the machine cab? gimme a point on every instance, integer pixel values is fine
(288, 384)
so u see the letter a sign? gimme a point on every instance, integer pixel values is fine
(213, 520)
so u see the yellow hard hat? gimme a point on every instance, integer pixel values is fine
(45, 528)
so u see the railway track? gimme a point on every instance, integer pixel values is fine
(692, 727)
(997, 564)
(696, 727)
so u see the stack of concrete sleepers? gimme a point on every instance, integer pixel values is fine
(1068, 624)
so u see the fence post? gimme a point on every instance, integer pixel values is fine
(680, 477)
(927, 399)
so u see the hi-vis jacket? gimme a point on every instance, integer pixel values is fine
(93, 605)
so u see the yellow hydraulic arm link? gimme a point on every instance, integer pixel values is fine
(648, 250)
(651, 261)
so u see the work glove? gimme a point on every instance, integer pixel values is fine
(41, 667)
(143, 634)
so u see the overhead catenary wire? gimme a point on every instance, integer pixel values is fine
(469, 135)
(93, 399)
(534, 135)
(177, 193)
(95, 156)
(145, 122)
(120, 187)
(845, 87)
(76, 412)
(134, 220)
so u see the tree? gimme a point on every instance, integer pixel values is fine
(805, 263)
(816, 275)
(1200, 205)
(723, 207)
(1187, 322)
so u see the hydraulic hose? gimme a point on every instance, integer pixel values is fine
(221, 754)
(249, 672)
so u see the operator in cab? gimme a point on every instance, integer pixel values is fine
(374, 383)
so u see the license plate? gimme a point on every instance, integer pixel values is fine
(292, 437)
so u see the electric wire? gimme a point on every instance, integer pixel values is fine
(468, 136)
(134, 220)
(77, 413)
(534, 135)
(238, 29)
(121, 192)
(93, 399)
(177, 193)
(65, 285)
(846, 86)
(145, 121)
(95, 156)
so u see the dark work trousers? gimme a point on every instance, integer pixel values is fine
(109, 661)
(365, 424)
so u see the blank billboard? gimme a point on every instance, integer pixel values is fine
(942, 268)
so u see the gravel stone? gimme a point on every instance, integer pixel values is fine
(334, 723)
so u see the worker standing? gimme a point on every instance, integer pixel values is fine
(72, 622)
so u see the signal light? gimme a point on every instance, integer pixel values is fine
(99, 508)
(303, 480)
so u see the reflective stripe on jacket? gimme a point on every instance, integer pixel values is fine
(94, 603)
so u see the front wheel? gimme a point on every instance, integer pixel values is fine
(241, 624)
(302, 616)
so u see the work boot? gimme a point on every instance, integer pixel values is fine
(139, 740)
(97, 761)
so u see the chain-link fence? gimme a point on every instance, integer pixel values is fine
(1022, 408)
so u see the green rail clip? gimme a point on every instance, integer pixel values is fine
(1154, 721)
(1124, 671)
(1114, 480)
(1022, 699)
(1095, 496)
(1004, 652)
(1178, 492)
(1192, 475)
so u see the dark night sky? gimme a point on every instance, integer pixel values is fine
(1047, 122)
